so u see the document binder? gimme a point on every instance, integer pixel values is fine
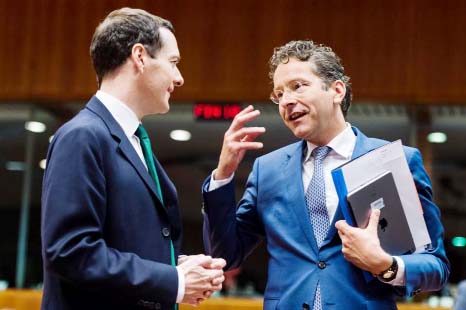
(359, 171)
(393, 229)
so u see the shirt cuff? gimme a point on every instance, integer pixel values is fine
(400, 279)
(180, 295)
(214, 184)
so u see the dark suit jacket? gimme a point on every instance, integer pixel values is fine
(273, 208)
(105, 233)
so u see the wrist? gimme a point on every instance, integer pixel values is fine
(221, 174)
(390, 273)
(384, 263)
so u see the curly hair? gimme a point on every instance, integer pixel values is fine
(115, 37)
(326, 63)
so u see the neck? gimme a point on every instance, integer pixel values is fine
(121, 87)
(329, 133)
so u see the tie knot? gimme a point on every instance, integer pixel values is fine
(141, 132)
(319, 153)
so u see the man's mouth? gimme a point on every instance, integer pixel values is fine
(295, 115)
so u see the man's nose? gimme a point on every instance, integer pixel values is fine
(287, 99)
(179, 81)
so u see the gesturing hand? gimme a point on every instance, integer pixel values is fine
(203, 275)
(237, 140)
(362, 246)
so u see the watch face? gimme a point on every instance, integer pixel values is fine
(388, 274)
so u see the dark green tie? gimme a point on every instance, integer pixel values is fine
(141, 133)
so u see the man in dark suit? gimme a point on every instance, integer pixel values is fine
(316, 259)
(111, 228)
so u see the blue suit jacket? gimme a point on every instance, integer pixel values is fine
(105, 233)
(273, 208)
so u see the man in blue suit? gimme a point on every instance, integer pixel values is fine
(111, 227)
(316, 260)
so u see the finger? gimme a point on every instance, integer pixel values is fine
(342, 235)
(203, 260)
(242, 146)
(196, 260)
(218, 280)
(240, 134)
(182, 258)
(374, 221)
(218, 263)
(216, 288)
(252, 136)
(214, 274)
(242, 119)
(207, 294)
(246, 110)
(342, 226)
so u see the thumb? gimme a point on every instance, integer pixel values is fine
(374, 220)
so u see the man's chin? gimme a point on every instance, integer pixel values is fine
(299, 132)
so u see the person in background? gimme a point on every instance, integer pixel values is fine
(316, 260)
(111, 226)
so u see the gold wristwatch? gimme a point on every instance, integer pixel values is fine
(389, 274)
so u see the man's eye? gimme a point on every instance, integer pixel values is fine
(297, 85)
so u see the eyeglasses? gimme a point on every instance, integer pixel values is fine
(294, 89)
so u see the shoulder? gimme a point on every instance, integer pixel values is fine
(371, 143)
(85, 126)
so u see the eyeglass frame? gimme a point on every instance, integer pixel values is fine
(294, 93)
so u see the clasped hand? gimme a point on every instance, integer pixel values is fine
(203, 276)
(362, 246)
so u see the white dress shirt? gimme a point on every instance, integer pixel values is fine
(129, 122)
(342, 150)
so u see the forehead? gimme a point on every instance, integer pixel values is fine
(169, 44)
(294, 69)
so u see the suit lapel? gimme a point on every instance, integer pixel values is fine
(292, 172)
(170, 199)
(362, 146)
(125, 146)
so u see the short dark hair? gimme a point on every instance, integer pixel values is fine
(327, 64)
(116, 35)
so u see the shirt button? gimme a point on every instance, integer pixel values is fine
(166, 232)
(322, 265)
(158, 306)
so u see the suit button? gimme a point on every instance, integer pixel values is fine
(322, 265)
(158, 306)
(166, 232)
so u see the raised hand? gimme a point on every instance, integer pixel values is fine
(362, 247)
(237, 140)
(203, 275)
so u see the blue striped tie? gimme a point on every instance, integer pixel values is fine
(317, 208)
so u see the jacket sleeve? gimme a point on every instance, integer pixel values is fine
(231, 232)
(429, 270)
(74, 209)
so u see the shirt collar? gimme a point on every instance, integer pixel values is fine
(342, 145)
(124, 116)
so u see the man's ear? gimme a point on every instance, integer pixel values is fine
(340, 91)
(137, 56)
